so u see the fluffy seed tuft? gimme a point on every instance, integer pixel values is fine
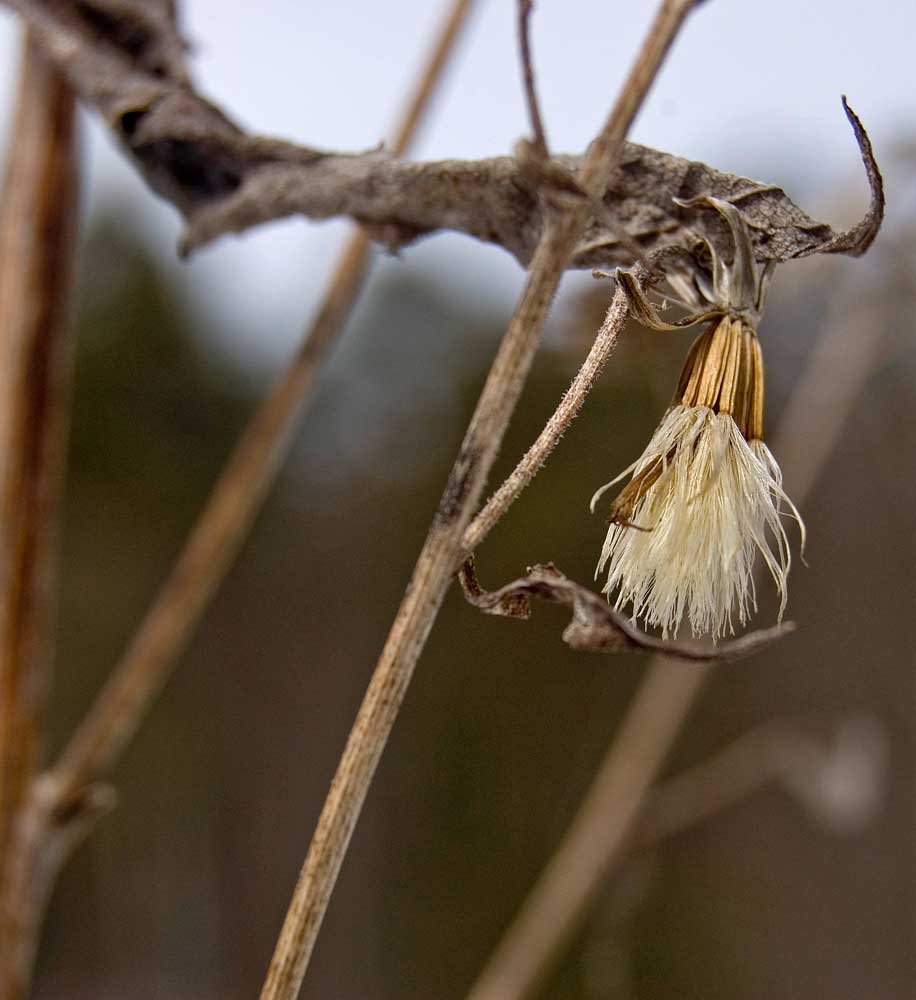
(701, 503)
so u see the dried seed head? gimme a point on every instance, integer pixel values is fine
(706, 495)
(685, 530)
(724, 371)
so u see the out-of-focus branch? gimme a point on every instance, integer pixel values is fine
(441, 554)
(234, 501)
(601, 829)
(64, 803)
(838, 784)
(37, 230)
(837, 371)
(126, 59)
(210, 549)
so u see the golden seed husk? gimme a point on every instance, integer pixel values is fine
(724, 372)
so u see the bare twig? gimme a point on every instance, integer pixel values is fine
(441, 553)
(601, 828)
(213, 543)
(595, 626)
(235, 499)
(37, 229)
(836, 373)
(539, 136)
(43, 840)
(556, 426)
(838, 784)
(423, 90)
(131, 69)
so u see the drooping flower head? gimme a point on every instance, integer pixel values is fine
(706, 495)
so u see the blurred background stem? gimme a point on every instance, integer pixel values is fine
(37, 231)
(600, 832)
(44, 817)
(237, 496)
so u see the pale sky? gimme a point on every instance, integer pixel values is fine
(755, 93)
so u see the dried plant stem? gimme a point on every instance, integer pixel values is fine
(37, 229)
(760, 756)
(525, 8)
(441, 553)
(840, 364)
(64, 802)
(531, 463)
(838, 783)
(600, 828)
(209, 551)
(599, 832)
(235, 499)
(430, 75)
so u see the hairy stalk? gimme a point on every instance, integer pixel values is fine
(37, 230)
(533, 459)
(440, 556)
(235, 499)
(601, 829)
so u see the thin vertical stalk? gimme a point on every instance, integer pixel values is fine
(235, 499)
(440, 556)
(532, 461)
(602, 824)
(66, 800)
(37, 230)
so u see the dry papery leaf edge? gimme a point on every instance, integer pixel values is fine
(132, 67)
(595, 627)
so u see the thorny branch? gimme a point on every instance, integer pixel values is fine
(127, 60)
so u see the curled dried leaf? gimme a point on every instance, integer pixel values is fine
(857, 240)
(126, 59)
(595, 626)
